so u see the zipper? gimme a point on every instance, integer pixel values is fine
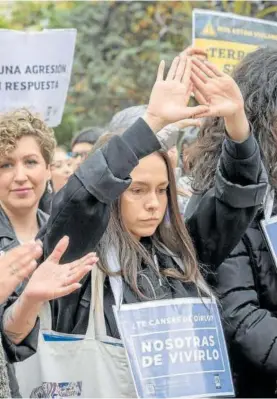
(150, 283)
(156, 263)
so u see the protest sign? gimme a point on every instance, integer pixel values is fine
(176, 348)
(228, 37)
(269, 228)
(35, 69)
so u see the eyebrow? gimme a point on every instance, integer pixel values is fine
(9, 158)
(142, 183)
(30, 155)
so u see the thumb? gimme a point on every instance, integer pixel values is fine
(188, 122)
(59, 250)
(160, 73)
(195, 112)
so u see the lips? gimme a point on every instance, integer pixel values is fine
(21, 190)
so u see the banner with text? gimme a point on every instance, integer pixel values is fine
(176, 348)
(229, 37)
(35, 69)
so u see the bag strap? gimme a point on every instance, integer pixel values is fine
(45, 317)
(96, 323)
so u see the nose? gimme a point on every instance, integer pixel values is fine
(20, 174)
(152, 203)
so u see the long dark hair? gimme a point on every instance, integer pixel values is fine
(256, 77)
(170, 235)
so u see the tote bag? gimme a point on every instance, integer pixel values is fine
(93, 365)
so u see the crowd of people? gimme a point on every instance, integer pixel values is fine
(173, 215)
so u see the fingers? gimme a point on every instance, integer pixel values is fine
(198, 83)
(67, 290)
(204, 68)
(196, 52)
(33, 249)
(23, 267)
(181, 68)
(173, 68)
(187, 74)
(198, 72)
(59, 250)
(188, 122)
(160, 73)
(214, 69)
(201, 99)
(78, 275)
(197, 111)
(89, 259)
(20, 262)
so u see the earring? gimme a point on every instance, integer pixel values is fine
(49, 187)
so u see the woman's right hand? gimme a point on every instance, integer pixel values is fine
(52, 280)
(169, 97)
(16, 265)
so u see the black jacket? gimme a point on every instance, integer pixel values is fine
(8, 240)
(247, 285)
(81, 211)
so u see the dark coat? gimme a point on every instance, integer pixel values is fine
(247, 285)
(81, 210)
(8, 240)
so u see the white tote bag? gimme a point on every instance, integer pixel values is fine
(93, 367)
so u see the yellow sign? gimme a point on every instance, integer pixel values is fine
(228, 37)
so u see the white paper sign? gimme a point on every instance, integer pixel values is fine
(35, 69)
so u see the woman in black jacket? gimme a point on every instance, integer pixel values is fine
(122, 199)
(247, 281)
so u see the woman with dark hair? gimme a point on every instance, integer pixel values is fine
(247, 281)
(122, 202)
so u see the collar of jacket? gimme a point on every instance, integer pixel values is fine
(6, 229)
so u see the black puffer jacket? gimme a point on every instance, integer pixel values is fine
(247, 285)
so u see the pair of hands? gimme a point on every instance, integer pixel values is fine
(48, 281)
(216, 92)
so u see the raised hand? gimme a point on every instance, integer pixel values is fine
(215, 88)
(52, 280)
(223, 96)
(195, 52)
(16, 265)
(169, 97)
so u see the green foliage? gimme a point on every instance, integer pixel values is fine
(119, 46)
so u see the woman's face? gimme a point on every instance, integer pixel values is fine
(23, 176)
(144, 203)
(61, 169)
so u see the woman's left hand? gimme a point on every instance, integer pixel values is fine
(222, 94)
(52, 280)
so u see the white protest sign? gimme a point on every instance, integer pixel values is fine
(35, 69)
